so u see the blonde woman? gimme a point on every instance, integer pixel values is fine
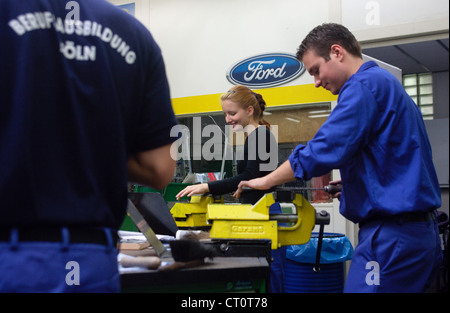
(243, 110)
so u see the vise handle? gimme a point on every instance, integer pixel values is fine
(322, 219)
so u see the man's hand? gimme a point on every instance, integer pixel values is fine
(337, 194)
(281, 175)
(257, 183)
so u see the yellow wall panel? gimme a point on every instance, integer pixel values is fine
(278, 96)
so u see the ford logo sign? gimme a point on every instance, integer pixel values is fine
(265, 70)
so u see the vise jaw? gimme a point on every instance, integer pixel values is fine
(192, 215)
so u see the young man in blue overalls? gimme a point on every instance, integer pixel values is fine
(377, 138)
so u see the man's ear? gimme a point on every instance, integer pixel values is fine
(337, 51)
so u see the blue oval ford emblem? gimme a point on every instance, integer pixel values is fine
(265, 70)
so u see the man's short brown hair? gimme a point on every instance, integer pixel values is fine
(322, 37)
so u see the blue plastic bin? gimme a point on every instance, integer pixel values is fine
(300, 259)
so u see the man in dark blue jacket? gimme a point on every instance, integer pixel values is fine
(84, 108)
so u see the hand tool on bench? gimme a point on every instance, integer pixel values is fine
(155, 211)
(182, 251)
(143, 226)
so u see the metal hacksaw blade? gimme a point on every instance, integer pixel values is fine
(143, 226)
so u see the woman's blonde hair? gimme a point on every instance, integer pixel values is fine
(245, 97)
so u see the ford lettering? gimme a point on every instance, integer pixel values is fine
(265, 70)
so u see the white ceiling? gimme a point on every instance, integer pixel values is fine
(420, 57)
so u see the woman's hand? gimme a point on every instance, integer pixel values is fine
(198, 189)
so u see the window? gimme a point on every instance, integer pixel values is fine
(295, 124)
(420, 88)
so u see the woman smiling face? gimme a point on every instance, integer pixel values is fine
(236, 116)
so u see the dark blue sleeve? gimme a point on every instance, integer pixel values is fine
(157, 116)
(348, 128)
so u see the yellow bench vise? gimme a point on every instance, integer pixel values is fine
(193, 214)
(246, 221)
